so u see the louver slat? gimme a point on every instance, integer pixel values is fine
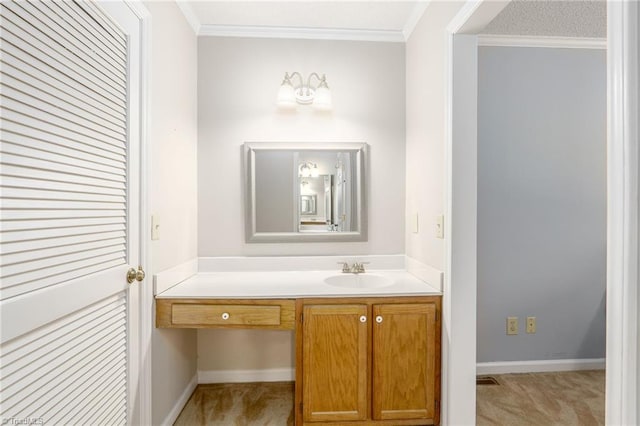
(76, 365)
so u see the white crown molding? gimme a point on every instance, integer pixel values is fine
(542, 41)
(300, 33)
(189, 15)
(413, 20)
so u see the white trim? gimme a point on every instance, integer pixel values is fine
(541, 41)
(146, 313)
(459, 304)
(539, 366)
(300, 33)
(460, 286)
(247, 376)
(180, 403)
(475, 15)
(622, 391)
(463, 16)
(162, 281)
(426, 273)
(297, 263)
(414, 18)
(190, 15)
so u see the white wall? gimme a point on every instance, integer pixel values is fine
(425, 127)
(173, 139)
(237, 83)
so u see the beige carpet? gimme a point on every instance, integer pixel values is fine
(240, 404)
(541, 399)
(560, 399)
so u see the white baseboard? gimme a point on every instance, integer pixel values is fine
(542, 366)
(181, 402)
(246, 376)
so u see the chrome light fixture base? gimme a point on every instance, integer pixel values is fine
(304, 94)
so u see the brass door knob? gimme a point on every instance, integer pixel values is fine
(133, 275)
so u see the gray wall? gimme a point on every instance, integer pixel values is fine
(274, 191)
(541, 202)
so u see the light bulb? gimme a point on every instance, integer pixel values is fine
(286, 96)
(322, 99)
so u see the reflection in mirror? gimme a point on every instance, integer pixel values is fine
(305, 192)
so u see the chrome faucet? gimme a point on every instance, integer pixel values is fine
(356, 268)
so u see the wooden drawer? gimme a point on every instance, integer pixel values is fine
(215, 313)
(190, 314)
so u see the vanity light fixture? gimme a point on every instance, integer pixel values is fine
(319, 97)
(308, 168)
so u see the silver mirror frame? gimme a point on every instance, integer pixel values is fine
(252, 236)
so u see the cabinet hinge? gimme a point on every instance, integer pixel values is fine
(437, 315)
(301, 407)
(301, 317)
(437, 404)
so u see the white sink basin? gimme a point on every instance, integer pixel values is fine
(365, 280)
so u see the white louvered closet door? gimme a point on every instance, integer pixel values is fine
(69, 211)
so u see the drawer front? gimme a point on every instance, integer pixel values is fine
(203, 314)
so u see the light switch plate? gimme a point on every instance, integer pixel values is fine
(414, 223)
(155, 227)
(440, 226)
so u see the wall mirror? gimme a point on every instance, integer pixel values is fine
(305, 192)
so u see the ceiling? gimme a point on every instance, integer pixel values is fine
(575, 18)
(355, 20)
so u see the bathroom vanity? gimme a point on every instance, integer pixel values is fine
(367, 345)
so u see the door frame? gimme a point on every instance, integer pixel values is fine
(141, 410)
(623, 355)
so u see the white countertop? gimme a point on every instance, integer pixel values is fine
(290, 284)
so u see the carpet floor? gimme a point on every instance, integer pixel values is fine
(574, 398)
(239, 404)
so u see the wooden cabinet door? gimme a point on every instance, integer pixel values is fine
(335, 362)
(404, 361)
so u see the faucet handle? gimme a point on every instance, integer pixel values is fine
(345, 267)
(359, 266)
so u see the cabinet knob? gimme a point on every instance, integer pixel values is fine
(379, 319)
(363, 318)
(225, 316)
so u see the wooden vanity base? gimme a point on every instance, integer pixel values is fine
(359, 360)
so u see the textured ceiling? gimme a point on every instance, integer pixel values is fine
(576, 18)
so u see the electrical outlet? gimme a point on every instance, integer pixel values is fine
(512, 325)
(531, 325)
